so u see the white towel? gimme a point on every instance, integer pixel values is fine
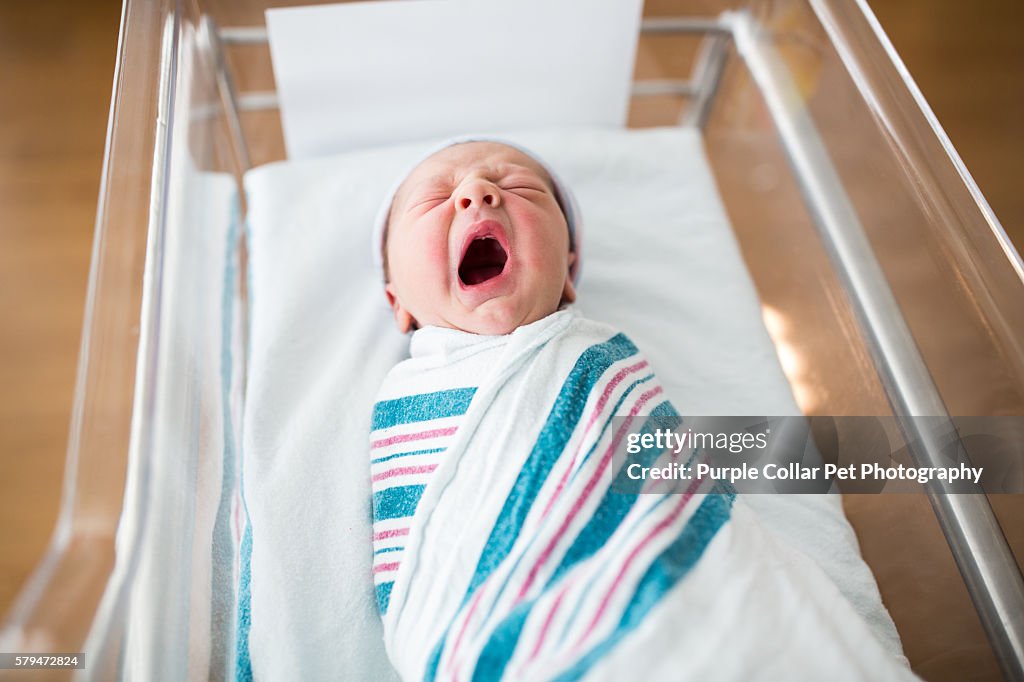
(523, 560)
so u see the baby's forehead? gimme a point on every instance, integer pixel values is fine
(450, 163)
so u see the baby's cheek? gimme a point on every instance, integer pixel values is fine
(435, 256)
(428, 268)
(551, 229)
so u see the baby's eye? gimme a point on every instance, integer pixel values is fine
(515, 184)
(426, 201)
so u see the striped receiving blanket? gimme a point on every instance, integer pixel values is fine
(502, 551)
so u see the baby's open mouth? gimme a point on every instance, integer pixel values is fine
(484, 259)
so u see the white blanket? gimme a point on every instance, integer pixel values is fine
(522, 560)
(322, 340)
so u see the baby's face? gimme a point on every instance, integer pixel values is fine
(477, 242)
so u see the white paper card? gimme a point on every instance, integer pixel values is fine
(373, 73)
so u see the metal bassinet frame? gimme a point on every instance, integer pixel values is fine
(975, 537)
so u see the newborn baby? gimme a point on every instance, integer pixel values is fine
(506, 545)
(477, 240)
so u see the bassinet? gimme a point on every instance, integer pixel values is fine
(887, 284)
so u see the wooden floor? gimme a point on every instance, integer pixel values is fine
(58, 56)
(968, 60)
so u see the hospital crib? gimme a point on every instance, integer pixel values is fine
(887, 284)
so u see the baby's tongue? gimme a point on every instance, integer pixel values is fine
(484, 260)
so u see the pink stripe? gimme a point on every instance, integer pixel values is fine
(662, 525)
(462, 630)
(421, 435)
(589, 488)
(547, 623)
(384, 534)
(400, 471)
(558, 600)
(381, 568)
(237, 516)
(602, 401)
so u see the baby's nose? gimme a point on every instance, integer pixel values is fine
(477, 194)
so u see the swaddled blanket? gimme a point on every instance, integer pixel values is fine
(502, 550)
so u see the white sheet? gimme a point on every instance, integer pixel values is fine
(661, 264)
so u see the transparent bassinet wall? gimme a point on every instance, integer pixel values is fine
(887, 284)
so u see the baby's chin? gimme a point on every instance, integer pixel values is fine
(494, 318)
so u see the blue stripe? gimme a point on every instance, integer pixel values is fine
(610, 512)
(593, 579)
(582, 599)
(662, 575)
(422, 407)
(384, 595)
(384, 550)
(223, 609)
(626, 394)
(243, 622)
(616, 504)
(393, 503)
(243, 664)
(429, 451)
(558, 428)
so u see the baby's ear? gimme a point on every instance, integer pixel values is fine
(569, 290)
(403, 319)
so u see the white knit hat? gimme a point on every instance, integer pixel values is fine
(563, 196)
